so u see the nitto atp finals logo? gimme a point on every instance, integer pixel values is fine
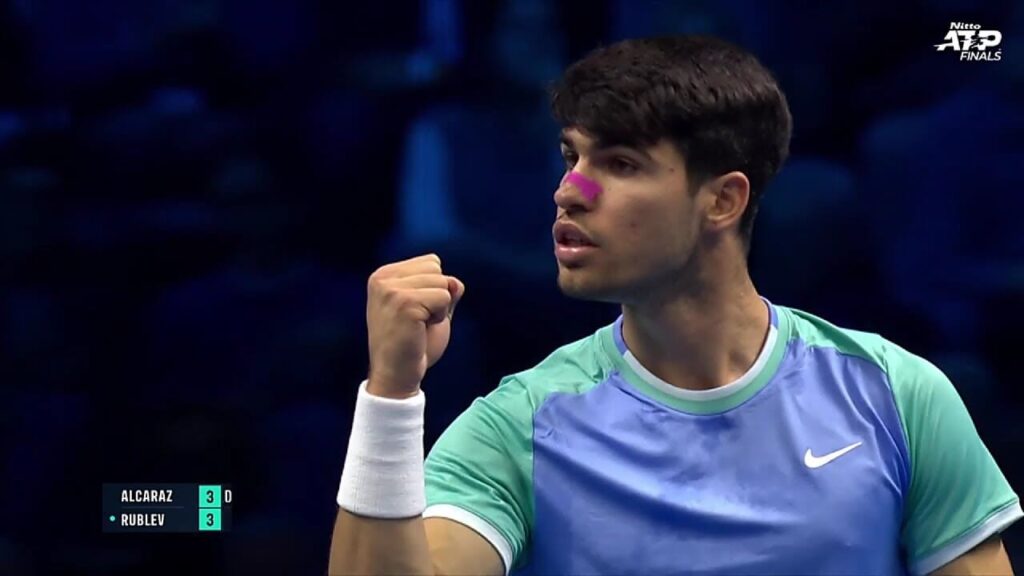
(972, 42)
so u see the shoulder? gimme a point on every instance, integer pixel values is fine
(904, 370)
(573, 368)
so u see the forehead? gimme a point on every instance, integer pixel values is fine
(662, 152)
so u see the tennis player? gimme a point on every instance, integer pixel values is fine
(706, 430)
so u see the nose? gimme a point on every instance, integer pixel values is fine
(576, 191)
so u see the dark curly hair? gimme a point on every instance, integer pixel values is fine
(720, 107)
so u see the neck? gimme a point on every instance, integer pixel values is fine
(699, 339)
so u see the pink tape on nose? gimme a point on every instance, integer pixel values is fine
(588, 187)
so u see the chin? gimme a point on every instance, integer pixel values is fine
(583, 286)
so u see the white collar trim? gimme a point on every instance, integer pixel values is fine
(714, 393)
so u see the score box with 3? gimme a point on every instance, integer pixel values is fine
(211, 513)
(166, 508)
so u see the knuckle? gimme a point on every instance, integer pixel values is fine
(390, 295)
(402, 299)
(376, 284)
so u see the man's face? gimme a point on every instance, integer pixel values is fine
(643, 225)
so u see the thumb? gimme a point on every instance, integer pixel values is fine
(456, 288)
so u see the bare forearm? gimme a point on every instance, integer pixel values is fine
(367, 546)
(409, 309)
(988, 558)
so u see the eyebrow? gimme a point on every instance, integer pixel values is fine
(600, 145)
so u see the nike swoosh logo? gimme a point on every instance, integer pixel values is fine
(812, 461)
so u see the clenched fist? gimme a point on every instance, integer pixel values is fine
(409, 308)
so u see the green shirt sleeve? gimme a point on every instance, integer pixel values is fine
(482, 465)
(958, 497)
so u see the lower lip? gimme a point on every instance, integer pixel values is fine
(567, 254)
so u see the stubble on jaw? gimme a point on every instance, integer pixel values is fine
(575, 284)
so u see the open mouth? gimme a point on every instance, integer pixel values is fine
(570, 236)
(574, 242)
(573, 247)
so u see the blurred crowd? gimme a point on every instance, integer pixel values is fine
(193, 193)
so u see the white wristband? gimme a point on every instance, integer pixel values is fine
(383, 474)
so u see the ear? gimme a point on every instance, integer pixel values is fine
(729, 196)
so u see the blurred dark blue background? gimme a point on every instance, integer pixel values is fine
(193, 193)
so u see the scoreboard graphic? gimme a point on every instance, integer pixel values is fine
(136, 508)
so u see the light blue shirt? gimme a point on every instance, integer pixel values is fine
(838, 452)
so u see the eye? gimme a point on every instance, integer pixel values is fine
(621, 165)
(570, 158)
